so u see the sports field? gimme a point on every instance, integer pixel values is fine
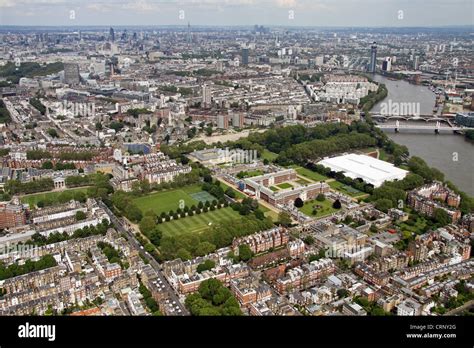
(198, 222)
(202, 196)
(165, 201)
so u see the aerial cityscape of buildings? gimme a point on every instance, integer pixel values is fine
(206, 171)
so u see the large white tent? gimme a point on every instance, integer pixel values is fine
(369, 169)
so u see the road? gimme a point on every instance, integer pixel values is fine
(156, 266)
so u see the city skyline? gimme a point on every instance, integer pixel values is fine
(293, 13)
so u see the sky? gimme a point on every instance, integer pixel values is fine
(344, 13)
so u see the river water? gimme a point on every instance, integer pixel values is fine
(448, 152)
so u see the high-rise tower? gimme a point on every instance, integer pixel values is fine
(245, 56)
(373, 58)
(112, 34)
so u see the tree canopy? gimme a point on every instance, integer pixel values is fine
(212, 299)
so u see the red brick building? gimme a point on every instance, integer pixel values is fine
(12, 214)
(263, 241)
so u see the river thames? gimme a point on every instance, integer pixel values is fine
(450, 153)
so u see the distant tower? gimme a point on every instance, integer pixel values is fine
(206, 96)
(112, 34)
(387, 64)
(416, 62)
(188, 36)
(373, 58)
(245, 56)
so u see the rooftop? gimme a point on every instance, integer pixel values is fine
(369, 169)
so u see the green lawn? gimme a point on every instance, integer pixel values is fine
(326, 208)
(271, 214)
(269, 155)
(417, 228)
(274, 188)
(167, 200)
(198, 222)
(253, 173)
(250, 174)
(303, 181)
(339, 186)
(284, 185)
(309, 174)
(33, 199)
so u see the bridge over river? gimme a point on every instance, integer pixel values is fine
(417, 123)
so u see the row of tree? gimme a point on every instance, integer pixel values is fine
(201, 208)
(319, 148)
(14, 187)
(150, 302)
(57, 166)
(56, 237)
(29, 266)
(78, 180)
(368, 102)
(64, 156)
(38, 154)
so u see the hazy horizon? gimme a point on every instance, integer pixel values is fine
(460, 26)
(285, 13)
